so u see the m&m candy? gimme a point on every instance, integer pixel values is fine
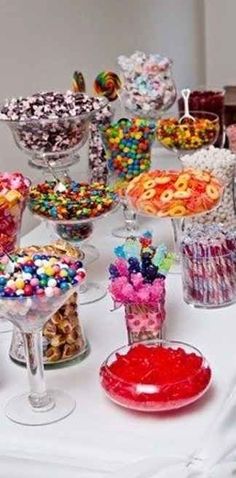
(78, 201)
(128, 147)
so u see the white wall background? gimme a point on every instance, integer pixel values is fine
(43, 41)
(220, 18)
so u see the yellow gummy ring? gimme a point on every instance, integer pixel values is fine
(148, 208)
(167, 195)
(181, 184)
(212, 192)
(203, 176)
(177, 211)
(182, 194)
(149, 194)
(149, 184)
(162, 180)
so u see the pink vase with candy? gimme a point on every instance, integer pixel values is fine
(14, 188)
(144, 322)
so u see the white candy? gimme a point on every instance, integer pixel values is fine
(49, 291)
(52, 282)
(26, 276)
(38, 262)
(222, 163)
(19, 292)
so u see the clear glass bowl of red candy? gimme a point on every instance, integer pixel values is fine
(155, 375)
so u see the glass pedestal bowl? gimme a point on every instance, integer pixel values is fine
(54, 140)
(40, 406)
(174, 195)
(189, 135)
(208, 99)
(78, 228)
(155, 375)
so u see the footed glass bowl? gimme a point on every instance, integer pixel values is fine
(53, 141)
(189, 135)
(155, 376)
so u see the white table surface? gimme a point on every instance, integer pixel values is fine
(99, 437)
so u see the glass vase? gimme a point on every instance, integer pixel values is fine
(128, 145)
(148, 86)
(144, 322)
(209, 281)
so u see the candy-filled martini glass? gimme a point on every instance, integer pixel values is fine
(72, 214)
(185, 136)
(128, 144)
(51, 127)
(28, 303)
(174, 195)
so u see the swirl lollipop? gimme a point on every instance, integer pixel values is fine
(78, 83)
(107, 84)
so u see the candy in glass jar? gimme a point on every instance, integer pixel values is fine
(221, 163)
(148, 84)
(208, 266)
(211, 100)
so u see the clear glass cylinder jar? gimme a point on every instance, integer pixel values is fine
(63, 336)
(145, 322)
(209, 281)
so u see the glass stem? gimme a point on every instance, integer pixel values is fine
(130, 218)
(177, 231)
(83, 288)
(39, 398)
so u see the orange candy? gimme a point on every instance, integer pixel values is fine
(174, 193)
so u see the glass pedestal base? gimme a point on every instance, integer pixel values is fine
(91, 253)
(18, 409)
(5, 326)
(92, 292)
(123, 232)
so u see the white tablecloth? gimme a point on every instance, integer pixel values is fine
(100, 437)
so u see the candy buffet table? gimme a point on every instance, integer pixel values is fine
(100, 437)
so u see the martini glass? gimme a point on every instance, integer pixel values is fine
(177, 218)
(188, 136)
(40, 406)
